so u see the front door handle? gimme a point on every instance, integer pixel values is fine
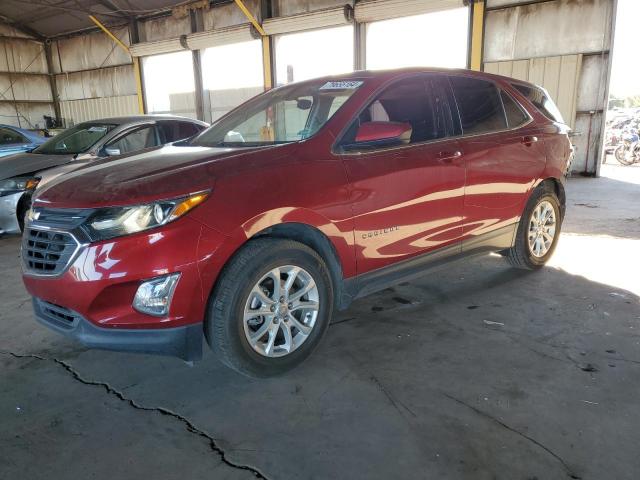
(449, 156)
(529, 140)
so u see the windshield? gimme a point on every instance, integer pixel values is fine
(77, 139)
(283, 115)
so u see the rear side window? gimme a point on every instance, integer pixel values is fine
(479, 105)
(10, 137)
(139, 139)
(187, 129)
(542, 102)
(515, 115)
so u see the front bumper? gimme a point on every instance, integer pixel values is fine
(182, 342)
(98, 286)
(8, 218)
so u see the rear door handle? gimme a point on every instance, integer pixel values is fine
(449, 156)
(529, 140)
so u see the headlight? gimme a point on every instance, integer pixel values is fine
(116, 221)
(10, 186)
(31, 183)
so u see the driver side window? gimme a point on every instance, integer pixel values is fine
(139, 139)
(411, 101)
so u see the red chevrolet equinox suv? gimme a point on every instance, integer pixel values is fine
(291, 206)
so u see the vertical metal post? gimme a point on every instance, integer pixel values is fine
(477, 34)
(605, 107)
(359, 46)
(266, 62)
(52, 80)
(197, 25)
(134, 34)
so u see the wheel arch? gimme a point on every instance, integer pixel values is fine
(315, 239)
(301, 225)
(554, 185)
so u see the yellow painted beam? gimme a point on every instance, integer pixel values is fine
(138, 78)
(266, 62)
(136, 61)
(250, 16)
(109, 34)
(477, 35)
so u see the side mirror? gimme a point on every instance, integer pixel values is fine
(112, 152)
(381, 134)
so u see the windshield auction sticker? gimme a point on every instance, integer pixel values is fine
(344, 85)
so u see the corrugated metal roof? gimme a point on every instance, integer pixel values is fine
(51, 18)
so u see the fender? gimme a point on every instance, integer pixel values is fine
(213, 255)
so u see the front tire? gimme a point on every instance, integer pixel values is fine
(270, 308)
(538, 230)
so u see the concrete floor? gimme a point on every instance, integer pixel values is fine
(477, 371)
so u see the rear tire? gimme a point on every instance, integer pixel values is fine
(538, 230)
(247, 306)
(621, 155)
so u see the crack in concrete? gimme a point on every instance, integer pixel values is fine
(190, 427)
(395, 402)
(476, 410)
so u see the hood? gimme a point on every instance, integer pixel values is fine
(25, 163)
(163, 173)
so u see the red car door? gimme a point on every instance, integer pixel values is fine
(407, 199)
(503, 158)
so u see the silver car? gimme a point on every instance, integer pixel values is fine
(86, 142)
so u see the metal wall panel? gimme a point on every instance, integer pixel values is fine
(18, 55)
(591, 90)
(559, 75)
(163, 28)
(283, 8)
(230, 15)
(94, 77)
(76, 111)
(93, 50)
(28, 115)
(25, 87)
(548, 29)
(23, 68)
(114, 81)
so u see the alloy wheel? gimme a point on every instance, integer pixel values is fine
(281, 311)
(542, 229)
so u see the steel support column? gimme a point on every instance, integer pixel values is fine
(52, 80)
(476, 34)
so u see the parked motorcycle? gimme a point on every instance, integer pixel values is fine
(628, 151)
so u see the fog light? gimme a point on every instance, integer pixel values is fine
(154, 296)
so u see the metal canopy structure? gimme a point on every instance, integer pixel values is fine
(52, 18)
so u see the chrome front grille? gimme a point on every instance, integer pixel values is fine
(61, 218)
(47, 252)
